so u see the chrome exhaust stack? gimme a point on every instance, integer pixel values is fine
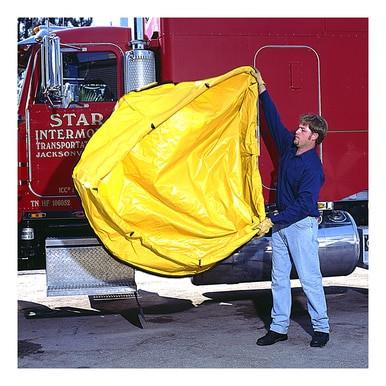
(139, 42)
(139, 62)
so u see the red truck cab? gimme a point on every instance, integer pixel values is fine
(53, 135)
(310, 65)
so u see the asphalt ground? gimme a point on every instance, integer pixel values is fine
(187, 327)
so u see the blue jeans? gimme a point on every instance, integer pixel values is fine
(297, 242)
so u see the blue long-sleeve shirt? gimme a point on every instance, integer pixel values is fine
(300, 176)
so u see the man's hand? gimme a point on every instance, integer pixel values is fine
(264, 226)
(260, 80)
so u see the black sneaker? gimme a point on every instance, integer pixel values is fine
(270, 338)
(319, 339)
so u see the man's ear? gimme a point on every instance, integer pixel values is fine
(314, 136)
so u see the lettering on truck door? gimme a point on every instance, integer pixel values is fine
(58, 135)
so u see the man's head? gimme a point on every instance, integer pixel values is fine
(311, 131)
(317, 125)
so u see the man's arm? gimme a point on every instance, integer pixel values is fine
(283, 138)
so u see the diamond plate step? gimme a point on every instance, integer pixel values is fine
(82, 266)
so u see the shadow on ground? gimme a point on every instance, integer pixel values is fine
(262, 303)
(259, 307)
(150, 303)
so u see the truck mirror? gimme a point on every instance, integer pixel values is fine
(51, 68)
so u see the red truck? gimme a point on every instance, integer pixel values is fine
(70, 79)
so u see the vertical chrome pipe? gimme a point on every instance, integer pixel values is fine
(139, 62)
(139, 33)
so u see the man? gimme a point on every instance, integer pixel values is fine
(295, 227)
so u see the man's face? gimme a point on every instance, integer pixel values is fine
(304, 137)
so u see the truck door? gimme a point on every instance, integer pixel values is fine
(58, 135)
(292, 74)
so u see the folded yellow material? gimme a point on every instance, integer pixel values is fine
(170, 182)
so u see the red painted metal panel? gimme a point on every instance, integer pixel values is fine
(200, 48)
(57, 138)
(121, 36)
(345, 163)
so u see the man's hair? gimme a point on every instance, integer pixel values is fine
(317, 124)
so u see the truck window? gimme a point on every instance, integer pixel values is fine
(88, 77)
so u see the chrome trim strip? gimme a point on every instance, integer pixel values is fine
(72, 242)
(95, 44)
(348, 131)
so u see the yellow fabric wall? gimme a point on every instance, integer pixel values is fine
(170, 182)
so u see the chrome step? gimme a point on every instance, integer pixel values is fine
(82, 266)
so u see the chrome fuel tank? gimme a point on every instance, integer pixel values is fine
(339, 248)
